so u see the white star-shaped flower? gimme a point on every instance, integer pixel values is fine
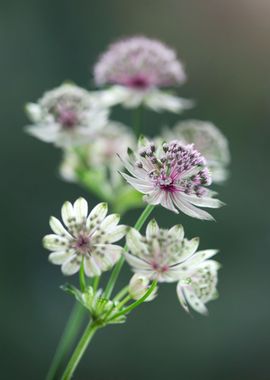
(85, 237)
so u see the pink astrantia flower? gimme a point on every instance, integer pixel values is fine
(173, 175)
(138, 67)
(139, 62)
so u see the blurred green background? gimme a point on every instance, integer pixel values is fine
(225, 47)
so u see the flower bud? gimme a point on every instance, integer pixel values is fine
(138, 286)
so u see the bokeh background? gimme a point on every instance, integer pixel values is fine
(225, 47)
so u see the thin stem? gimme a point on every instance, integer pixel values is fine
(79, 351)
(67, 339)
(115, 273)
(96, 283)
(138, 302)
(137, 120)
(123, 302)
(82, 277)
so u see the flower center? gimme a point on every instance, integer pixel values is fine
(138, 82)
(159, 268)
(67, 117)
(82, 244)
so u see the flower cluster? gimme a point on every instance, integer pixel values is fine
(174, 170)
(66, 116)
(138, 67)
(166, 256)
(173, 175)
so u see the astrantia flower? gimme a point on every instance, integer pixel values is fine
(88, 237)
(138, 286)
(208, 140)
(164, 255)
(66, 116)
(199, 286)
(101, 154)
(173, 175)
(138, 67)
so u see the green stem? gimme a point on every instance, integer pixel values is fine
(96, 283)
(67, 339)
(79, 351)
(137, 120)
(138, 302)
(115, 273)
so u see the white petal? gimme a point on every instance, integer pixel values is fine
(160, 100)
(58, 228)
(152, 229)
(188, 209)
(91, 267)
(141, 185)
(137, 263)
(55, 242)
(98, 213)
(203, 201)
(166, 201)
(135, 244)
(116, 234)
(177, 231)
(154, 198)
(68, 214)
(71, 265)
(48, 133)
(80, 209)
(194, 301)
(181, 297)
(33, 111)
(201, 256)
(59, 257)
(110, 222)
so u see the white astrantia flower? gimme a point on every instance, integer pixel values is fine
(164, 254)
(138, 286)
(173, 175)
(66, 116)
(199, 286)
(101, 154)
(137, 68)
(85, 237)
(208, 140)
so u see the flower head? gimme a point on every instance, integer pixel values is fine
(199, 286)
(137, 67)
(140, 63)
(208, 140)
(164, 255)
(173, 175)
(65, 116)
(138, 286)
(85, 237)
(101, 154)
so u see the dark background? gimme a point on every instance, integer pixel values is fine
(225, 47)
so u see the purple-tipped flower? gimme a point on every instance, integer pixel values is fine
(173, 175)
(140, 63)
(209, 140)
(66, 116)
(137, 67)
